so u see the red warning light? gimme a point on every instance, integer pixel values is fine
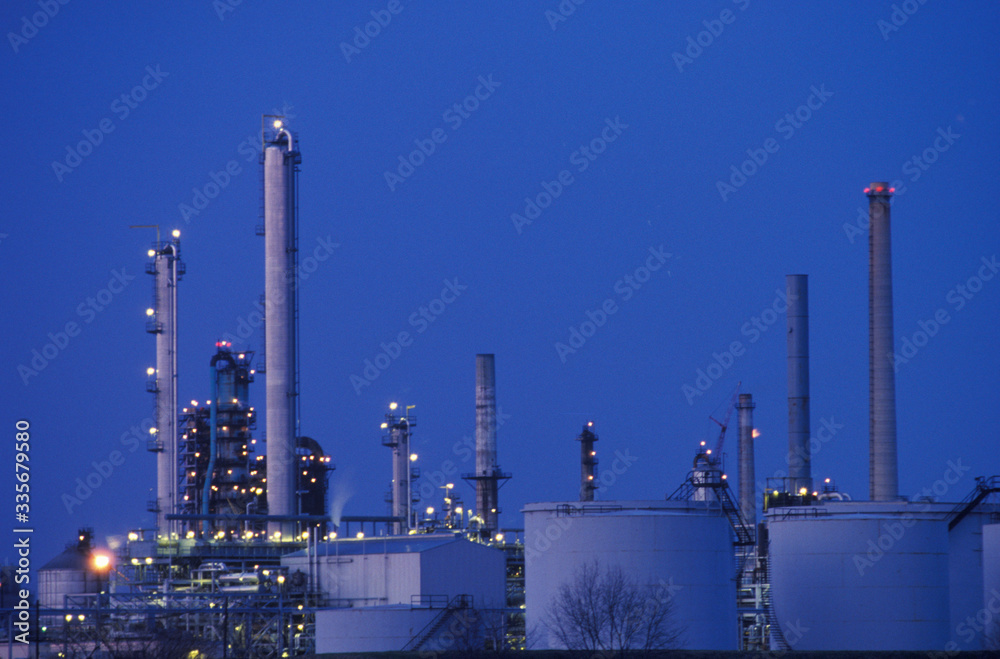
(892, 189)
(867, 190)
(879, 189)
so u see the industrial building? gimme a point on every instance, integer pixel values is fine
(245, 559)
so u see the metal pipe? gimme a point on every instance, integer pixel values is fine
(748, 493)
(280, 348)
(588, 462)
(799, 457)
(883, 481)
(213, 434)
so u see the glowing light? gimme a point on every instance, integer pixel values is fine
(756, 433)
(151, 253)
(133, 536)
(499, 537)
(195, 403)
(384, 425)
(176, 233)
(879, 189)
(590, 424)
(827, 480)
(152, 431)
(149, 560)
(393, 406)
(277, 123)
(892, 189)
(724, 477)
(150, 312)
(430, 510)
(702, 444)
(708, 452)
(458, 510)
(450, 485)
(867, 190)
(803, 491)
(101, 561)
(360, 535)
(413, 457)
(150, 371)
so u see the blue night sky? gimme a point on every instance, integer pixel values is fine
(618, 113)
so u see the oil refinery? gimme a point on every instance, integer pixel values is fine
(248, 560)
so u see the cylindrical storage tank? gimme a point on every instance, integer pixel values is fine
(991, 579)
(679, 551)
(863, 576)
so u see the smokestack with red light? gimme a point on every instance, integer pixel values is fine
(883, 481)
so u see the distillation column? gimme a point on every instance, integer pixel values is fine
(280, 159)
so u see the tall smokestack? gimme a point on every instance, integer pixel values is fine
(588, 462)
(883, 483)
(799, 459)
(487, 472)
(280, 245)
(748, 494)
(161, 320)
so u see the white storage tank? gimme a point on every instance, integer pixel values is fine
(874, 575)
(683, 550)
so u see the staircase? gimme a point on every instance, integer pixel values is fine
(777, 635)
(984, 488)
(429, 631)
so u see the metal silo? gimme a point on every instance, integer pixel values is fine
(860, 576)
(680, 551)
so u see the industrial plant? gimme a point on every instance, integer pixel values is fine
(247, 560)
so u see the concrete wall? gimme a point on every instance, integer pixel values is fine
(369, 630)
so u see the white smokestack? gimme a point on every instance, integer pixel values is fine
(799, 458)
(883, 468)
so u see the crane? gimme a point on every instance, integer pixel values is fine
(715, 457)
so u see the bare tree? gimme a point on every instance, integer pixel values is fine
(608, 610)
